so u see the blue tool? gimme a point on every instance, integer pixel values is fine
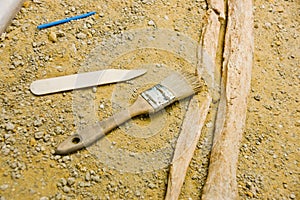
(42, 26)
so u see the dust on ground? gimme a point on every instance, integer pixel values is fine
(32, 126)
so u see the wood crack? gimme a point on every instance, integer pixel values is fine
(236, 64)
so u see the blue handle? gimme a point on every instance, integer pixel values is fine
(42, 26)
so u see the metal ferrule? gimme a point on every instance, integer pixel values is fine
(158, 97)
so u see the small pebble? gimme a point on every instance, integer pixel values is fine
(96, 178)
(249, 194)
(88, 176)
(151, 185)
(39, 135)
(4, 187)
(66, 189)
(151, 23)
(280, 9)
(278, 43)
(81, 35)
(292, 196)
(137, 193)
(81, 184)
(268, 25)
(38, 122)
(158, 65)
(70, 181)
(9, 126)
(26, 4)
(66, 158)
(60, 34)
(52, 37)
(63, 181)
(59, 68)
(285, 185)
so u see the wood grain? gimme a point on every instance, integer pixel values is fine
(236, 76)
(186, 144)
(208, 52)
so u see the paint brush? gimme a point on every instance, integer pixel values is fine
(173, 88)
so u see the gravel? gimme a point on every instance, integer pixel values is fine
(32, 126)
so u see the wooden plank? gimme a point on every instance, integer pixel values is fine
(193, 123)
(186, 144)
(236, 76)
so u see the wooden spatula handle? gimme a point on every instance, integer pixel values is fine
(91, 134)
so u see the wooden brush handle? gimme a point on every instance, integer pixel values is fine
(139, 107)
(91, 134)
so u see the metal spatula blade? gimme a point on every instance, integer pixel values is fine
(83, 80)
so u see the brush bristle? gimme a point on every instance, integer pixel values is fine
(182, 85)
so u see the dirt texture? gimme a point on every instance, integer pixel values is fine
(269, 155)
(32, 126)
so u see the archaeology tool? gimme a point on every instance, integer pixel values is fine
(174, 87)
(83, 80)
(8, 10)
(62, 21)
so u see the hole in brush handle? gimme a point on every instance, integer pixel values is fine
(76, 140)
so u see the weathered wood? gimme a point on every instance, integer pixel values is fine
(208, 52)
(193, 123)
(186, 144)
(236, 76)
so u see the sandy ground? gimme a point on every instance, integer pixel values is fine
(32, 126)
(269, 158)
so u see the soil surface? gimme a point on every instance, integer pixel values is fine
(132, 162)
